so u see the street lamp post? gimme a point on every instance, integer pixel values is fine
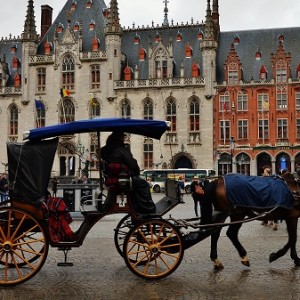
(232, 146)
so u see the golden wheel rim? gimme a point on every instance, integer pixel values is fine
(23, 247)
(153, 249)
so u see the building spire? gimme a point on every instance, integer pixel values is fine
(29, 32)
(215, 12)
(166, 10)
(113, 23)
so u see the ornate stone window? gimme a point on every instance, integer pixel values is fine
(94, 108)
(41, 79)
(67, 111)
(161, 65)
(95, 77)
(126, 109)
(68, 72)
(13, 122)
(148, 109)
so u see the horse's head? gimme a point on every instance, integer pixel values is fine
(293, 183)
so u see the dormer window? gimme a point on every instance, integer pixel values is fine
(60, 28)
(47, 48)
(157, 38)
(236, 40)
(92, 25)
(142, 54)
(179, 37)
(89, 4)
(136, 40)
(263, 73)
(17, 80)
(258, 55)
(73, 5)
(195, 70)
(13, 49)
(298, 72)
(200, 35)
(96, 44)
(188, 51)
(281, 38)
(76, 26)
(16, 63)
(127, 73)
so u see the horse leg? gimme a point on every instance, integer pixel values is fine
(292, 233)
(214, 250)
(232, 234)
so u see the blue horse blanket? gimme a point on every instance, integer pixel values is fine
(257, 192)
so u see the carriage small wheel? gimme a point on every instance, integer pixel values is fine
(121, 231)
(153, 249)
(23, 246)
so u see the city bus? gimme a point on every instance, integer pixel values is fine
(157, 177)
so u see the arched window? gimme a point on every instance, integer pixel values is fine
(194, 115)
(171, 113)
(125, 109)
(148, 109)
(95, 77)
(68, 72)
(13, 122)
(67, 111)
(94, 108)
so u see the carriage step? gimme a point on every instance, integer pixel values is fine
(65, 263)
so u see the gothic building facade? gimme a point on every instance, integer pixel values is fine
(232, 97)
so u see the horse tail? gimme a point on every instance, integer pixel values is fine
(207, 209)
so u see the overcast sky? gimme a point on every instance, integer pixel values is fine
(234, 14)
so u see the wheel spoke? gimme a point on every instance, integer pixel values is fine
(23, 248)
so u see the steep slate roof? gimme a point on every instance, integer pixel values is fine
(83, 15)
(264, 40)
(147, 36)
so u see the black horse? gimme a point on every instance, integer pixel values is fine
(218, 197)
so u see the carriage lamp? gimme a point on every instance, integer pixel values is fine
(232, 147)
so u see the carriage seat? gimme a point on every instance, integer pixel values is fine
(116, 175)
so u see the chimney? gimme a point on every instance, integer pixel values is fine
(46, 19)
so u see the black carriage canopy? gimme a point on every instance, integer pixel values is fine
(29, 168)
(150, 128)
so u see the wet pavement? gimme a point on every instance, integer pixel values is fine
(99, 272)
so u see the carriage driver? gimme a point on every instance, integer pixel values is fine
(116, 154)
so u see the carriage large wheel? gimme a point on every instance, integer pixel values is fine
(23, 246)
(153, 249)
(121, 231)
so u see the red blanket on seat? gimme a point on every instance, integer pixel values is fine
(59, 220)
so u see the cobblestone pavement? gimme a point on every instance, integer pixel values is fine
(100, 273)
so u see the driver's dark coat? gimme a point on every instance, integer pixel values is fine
(120, 154)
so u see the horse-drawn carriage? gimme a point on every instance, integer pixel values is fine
(151, 246)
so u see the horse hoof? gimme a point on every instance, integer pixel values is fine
(218, 264)
(272, 257)
(297, 262)
(245, 261)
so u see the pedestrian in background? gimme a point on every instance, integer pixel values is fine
(180, 189)
(196, 197)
